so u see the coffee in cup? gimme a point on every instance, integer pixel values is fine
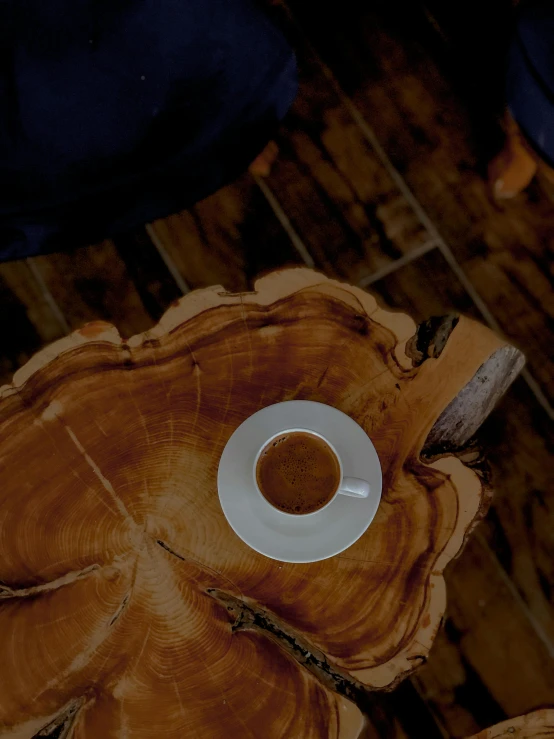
(298, 472)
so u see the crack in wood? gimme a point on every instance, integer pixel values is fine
(170, 550)
(106, 484)
(61, 726)
(8, 592)
(120, 610)
(371, 703)
(430, 338)
(378, 704)
(196, 563)
(248, 617)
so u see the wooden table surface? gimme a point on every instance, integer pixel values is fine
(129, 606)
(379, 181)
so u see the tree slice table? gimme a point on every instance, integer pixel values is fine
(537, 725)
(129, 608)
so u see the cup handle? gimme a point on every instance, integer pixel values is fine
(354, 487)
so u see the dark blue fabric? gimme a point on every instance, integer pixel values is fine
(116, 112)
(530, 78)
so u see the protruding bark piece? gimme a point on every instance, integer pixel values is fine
(539, 724)
(431, 337)
(472, 405)
(128, 605)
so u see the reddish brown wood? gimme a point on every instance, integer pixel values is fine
(127, 599)
(382, 56)
(93, 283)
(26, 320)
(229, 238)
(332, 186)
(532, 726)
(492, 658)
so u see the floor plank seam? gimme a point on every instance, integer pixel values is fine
(396, 264)
(516, 595)
(427, 223)
(376, 145)
(167, 260)
(492, 322)
(285, 222)
(48, 297)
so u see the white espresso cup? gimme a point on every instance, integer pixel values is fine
(354, 487)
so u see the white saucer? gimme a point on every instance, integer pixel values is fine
(304, 538)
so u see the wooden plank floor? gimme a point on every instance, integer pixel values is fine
(378, 182)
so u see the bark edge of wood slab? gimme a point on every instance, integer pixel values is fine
(127, 604)
(463, 416)
(530, 726)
